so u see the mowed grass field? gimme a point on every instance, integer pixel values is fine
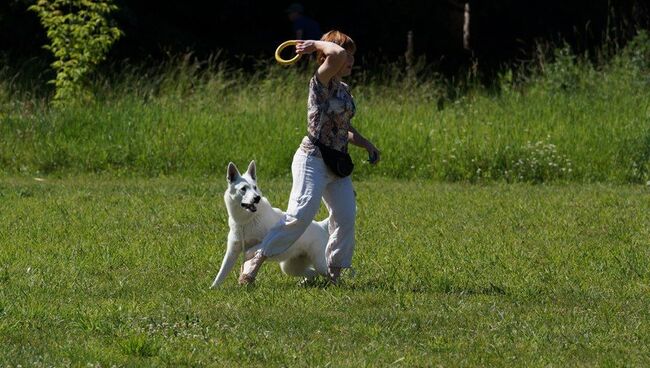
(103, 271)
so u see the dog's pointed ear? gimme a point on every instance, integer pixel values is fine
(252, 170)
(233, 173)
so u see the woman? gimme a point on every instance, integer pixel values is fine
(330, 108)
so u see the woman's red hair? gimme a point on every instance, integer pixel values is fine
(338, 38)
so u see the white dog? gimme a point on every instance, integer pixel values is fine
(250, 216)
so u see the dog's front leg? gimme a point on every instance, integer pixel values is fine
(229, 259)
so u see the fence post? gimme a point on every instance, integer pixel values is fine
(466, 19)
(409, 55)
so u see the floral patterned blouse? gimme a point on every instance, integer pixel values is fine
(329, 110)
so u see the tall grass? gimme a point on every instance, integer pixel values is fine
(559, 118)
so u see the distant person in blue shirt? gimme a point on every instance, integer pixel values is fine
(304, 27)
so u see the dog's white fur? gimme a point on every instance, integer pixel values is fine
(250, 216)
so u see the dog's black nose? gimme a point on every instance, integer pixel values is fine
(257, 199)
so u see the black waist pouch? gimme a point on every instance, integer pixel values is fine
(339, 162)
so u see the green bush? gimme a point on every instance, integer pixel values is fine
(637, 52)
(80, 36)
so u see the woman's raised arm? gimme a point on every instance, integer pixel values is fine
(335, 57)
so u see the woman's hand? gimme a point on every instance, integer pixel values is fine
(358, 140)
(373, 153)
(305, 47)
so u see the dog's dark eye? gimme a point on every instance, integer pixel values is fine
(255, 187)
(243, 189)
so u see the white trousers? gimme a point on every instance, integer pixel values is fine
(313, 181)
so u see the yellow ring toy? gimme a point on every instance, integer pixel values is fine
(282, 46)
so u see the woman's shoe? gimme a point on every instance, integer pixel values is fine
(250, 268)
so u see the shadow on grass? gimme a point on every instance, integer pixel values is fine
(440, 285)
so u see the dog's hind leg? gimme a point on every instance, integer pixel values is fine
(318, 261)
(298, 266)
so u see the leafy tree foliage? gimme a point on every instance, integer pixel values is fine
(80, 35)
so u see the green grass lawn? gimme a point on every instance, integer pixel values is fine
(102, 271)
